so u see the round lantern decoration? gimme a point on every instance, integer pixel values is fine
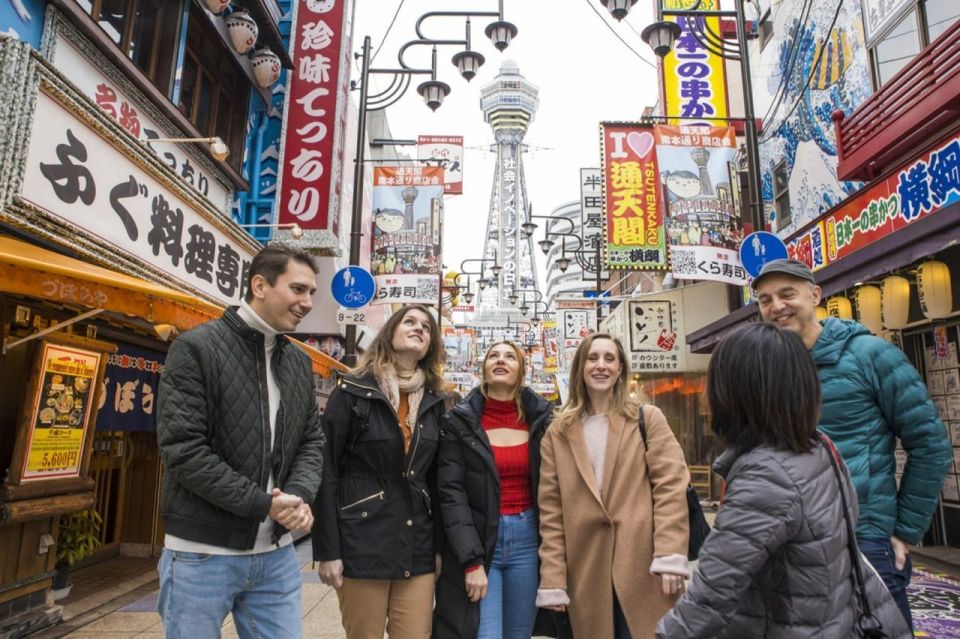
(243, 31)
(868, 308)
(217, 7)
(822, 313)
(266, 67)
(936, 294)
(839, 307)
(895, 302)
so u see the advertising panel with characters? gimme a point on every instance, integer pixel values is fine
(61, 409)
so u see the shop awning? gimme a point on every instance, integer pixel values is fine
(32, 271)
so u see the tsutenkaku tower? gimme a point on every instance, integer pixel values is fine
(509, 104)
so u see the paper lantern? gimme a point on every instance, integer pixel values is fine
(895, 305)
(839, 307)
(821, 313)
(266, 67)
(243, 31)
(868, 308)
(936, 294)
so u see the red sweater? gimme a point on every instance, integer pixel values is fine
(513, 462)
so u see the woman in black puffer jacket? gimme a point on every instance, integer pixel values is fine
(489, 470)
(777, 563)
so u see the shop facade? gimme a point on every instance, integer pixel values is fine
(887, 255)
(112, 242)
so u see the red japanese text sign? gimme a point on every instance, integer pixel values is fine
(309, 176)
(632, 206)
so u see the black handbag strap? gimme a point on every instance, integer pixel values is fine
(641, 424)
(867, 622)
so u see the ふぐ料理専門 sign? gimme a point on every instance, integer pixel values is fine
(80, 178)
(315, 116)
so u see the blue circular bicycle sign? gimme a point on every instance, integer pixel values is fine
(353, 287)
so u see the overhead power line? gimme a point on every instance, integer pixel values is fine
(614, 32)
(379, 46)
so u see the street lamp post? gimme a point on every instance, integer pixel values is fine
(662, 35)
(563, 263)
(433, 92)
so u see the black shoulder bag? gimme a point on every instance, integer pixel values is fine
(868, 626)
(699, 528)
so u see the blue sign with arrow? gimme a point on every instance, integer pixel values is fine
(759, 248)
(353, 287)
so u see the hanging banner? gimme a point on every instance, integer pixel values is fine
(458, 344)
(407, 217)
(591, 222)
(130, 386)
(694, 82)
(694, 170)
(61, 410)
(551, 348)
(633, 215)
(315, 117)
(446, 152)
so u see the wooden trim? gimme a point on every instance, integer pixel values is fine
(43, 507)
(92, 30)
(26, 586)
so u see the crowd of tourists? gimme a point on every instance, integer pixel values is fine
(501, 516)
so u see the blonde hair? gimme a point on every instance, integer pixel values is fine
(577, 399)
(521, 372)
(380, 355)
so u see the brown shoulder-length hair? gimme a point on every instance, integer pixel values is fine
(763, 389)
(381, 355)
(517, 390)
(577, 398)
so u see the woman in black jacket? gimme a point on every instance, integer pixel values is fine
(489, 468)
(374, 534)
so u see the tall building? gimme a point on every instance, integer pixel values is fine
(571, 282)
(509, 104)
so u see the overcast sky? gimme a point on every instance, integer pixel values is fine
(584, 72)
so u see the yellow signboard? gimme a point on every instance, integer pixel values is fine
(61, 412)
(694, 80)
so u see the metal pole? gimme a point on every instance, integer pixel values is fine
(597, 266)
(753, 148)
(356, 218)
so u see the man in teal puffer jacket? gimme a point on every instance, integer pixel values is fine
(872, 396)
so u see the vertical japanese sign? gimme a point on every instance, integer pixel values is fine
(633, 214)
(130, 387)
(309, 176)
(405, 255)
(446, 152)
(591, 222)
(694, 82)
(703, 230)
(61, 409)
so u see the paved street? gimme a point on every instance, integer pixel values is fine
(935, 597)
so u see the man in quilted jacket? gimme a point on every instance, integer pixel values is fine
(872, 396)
(239, 432)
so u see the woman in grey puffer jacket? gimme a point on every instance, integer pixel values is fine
(776, 563)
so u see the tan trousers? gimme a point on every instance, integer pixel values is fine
(402, 607)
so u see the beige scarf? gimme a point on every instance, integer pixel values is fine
(392, 382)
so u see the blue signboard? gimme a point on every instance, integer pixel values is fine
(759, 248)
(353, 287)
(130, 386)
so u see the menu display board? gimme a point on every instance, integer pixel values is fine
(60, 406)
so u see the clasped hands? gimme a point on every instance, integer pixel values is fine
(290, 512)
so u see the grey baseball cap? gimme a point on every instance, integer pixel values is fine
(793, 268)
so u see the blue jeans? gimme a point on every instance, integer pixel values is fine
(879, 552)
(197, 591)
(510, 607)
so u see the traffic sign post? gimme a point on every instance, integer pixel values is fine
(759, 248)
(353, 287)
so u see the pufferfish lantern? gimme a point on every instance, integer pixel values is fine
(451, 294)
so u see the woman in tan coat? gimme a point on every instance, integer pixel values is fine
(613, 516)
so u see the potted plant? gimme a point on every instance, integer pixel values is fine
(79, 536)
